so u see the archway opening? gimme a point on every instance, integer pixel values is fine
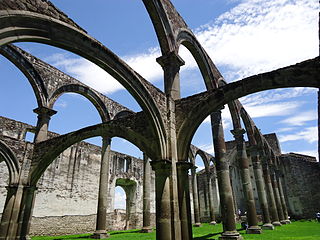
(191, 80)
(129, 194)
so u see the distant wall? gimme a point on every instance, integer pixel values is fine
(302, 184)
(67, 194)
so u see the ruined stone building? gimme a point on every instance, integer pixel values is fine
(163, 189)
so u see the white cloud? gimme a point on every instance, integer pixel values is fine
(253, 37)
(301, 118)
(258, 35)
(207, 148)
(280, 130)
(92, 75)
(309, 134)
(275, 109)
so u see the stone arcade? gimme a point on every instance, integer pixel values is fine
(162, 130)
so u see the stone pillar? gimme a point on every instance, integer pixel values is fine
(103, 190)
(10, 215)
(270, 194)
(226, 197)
(195, 197)
(282, 198)
(242, 158)
(27, 209)
(146, 228)
(261, 189)
(162, 170)
(277, 195)
(171, 63)
(184, 199)
(210, 193)
(44, 115)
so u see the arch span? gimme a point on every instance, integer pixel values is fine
(210, 73)
(17, 26)
(304, 74)
(14, 55)
(134, 129)
(87, 93)
(11, 161)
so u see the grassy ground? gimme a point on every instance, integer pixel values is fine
(302, 230)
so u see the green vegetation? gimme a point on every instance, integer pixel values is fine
(301, 230)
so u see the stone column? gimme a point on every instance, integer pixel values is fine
(277, 195)
(103, 190)
(27, 203)
(195, 197)
(210, 193)
(270, 194)
(261, 189)
(10, 215)
(146, 228)
(226, 197)
(171, 63)
(252, 219)
(44, 115)
(162, 170)
(282, 198)
(184, 199)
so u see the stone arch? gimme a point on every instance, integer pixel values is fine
(39, 27)
(11, 161)
(122, 114)
(161, 22)
(211, 101)
(204, 159)
(87, 93)
(44, 155)
(22, 63)
(209, 72)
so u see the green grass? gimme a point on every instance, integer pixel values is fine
(301, 230)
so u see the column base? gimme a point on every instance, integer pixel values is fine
(146, 230)
(276, 224)
(267, 226)
(253, 230)
(230, 236)
(100, 234)
(213, 223)
(283, 222)
(197, 225)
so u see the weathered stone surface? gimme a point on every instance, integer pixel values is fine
(44, 7)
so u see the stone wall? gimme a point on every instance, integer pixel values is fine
(301, 183)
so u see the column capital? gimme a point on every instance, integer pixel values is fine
(44, 111)
(238, 134)
(161, 165)
(106, 140)
(171, 58)
(184, 165)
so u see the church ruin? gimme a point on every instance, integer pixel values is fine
(252, 176)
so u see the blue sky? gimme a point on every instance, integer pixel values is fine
(243, 37)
